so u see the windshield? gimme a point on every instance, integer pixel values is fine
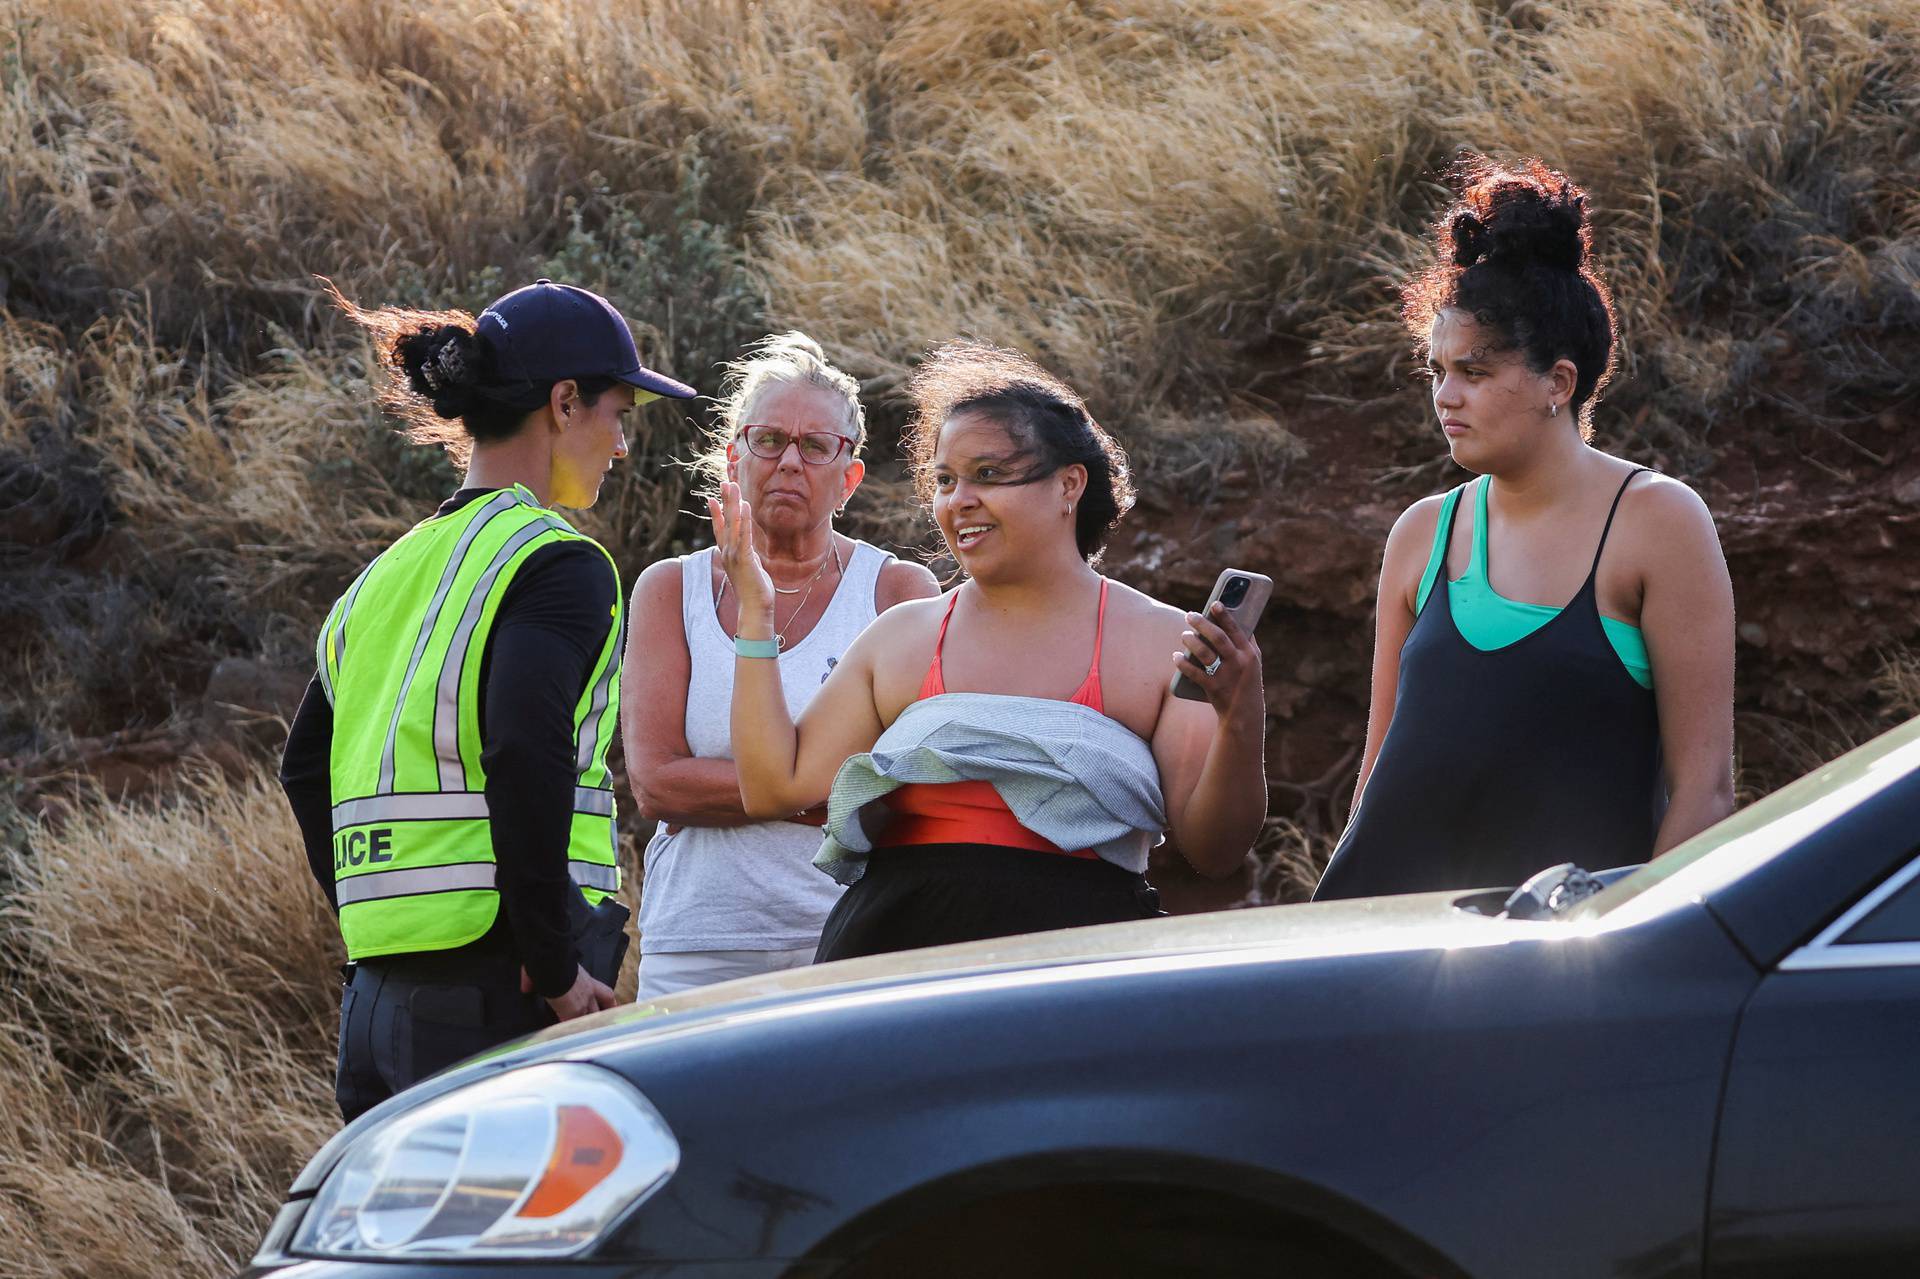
(1755, 834)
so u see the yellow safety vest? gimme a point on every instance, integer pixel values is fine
(399, 659)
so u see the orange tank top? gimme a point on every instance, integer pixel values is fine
(973, 812)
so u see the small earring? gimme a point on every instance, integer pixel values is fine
(1553, 409)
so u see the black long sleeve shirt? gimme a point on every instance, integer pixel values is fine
(546, 637)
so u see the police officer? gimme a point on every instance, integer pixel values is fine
(448, 765)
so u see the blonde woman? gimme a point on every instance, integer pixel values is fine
(727, 895)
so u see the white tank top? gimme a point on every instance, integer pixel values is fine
(746, 887)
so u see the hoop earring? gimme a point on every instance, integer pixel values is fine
(1553, 409)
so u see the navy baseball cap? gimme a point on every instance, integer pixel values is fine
(548, 332)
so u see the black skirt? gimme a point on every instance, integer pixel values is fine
(933, 894)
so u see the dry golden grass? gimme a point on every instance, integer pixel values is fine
(1821, 732)
(1197, 213)
(1899, 684)
(1288, 861)
(224, 507)
(167, 1031)
(1190, 211)
(230, 148)
(1136, 189)
(73, 1206)
(1143, 192)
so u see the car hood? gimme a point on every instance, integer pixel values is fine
(1375, 924)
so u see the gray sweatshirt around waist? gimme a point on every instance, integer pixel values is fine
(1071, 775)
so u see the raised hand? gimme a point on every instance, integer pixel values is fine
(733, 538)
(1234, 686)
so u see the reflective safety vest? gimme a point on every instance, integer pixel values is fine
(399, 658)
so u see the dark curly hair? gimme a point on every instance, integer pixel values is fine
(1514, 251)
(447, 388)
(1043, 415)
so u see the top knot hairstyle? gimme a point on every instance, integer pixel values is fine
(447, 387)
(1515, 252)
(1042, 414)
(782, 359)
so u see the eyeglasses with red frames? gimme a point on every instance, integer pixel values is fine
(817, 448)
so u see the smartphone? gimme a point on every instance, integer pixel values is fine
(1244, 595)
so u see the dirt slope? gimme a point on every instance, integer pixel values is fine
(1821, 532)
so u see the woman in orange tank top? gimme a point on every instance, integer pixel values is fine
(1025, 487)
(972, 812)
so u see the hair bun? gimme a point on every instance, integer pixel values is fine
(443, 366)
(1527, 224)
(1469, 239)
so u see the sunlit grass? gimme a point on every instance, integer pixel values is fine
(1197, 213)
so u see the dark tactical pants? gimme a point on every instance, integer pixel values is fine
(405, 1017)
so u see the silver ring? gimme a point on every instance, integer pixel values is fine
(1213, 667)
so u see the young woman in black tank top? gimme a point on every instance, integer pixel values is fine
(1583, 578)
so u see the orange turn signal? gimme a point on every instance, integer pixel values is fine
(585, 1151)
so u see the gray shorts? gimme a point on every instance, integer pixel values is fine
(665, 972)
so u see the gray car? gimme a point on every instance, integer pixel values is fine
(1712, 1067)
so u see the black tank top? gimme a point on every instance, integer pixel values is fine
(1499, 763)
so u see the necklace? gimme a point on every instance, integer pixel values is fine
(779, 636)
(795, 590)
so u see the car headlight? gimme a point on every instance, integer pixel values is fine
(533, 1162)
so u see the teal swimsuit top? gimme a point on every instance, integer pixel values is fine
(1488, 620)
